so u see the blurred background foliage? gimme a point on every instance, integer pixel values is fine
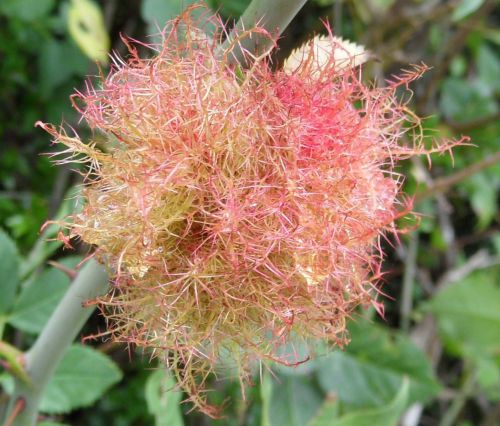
(435, 357)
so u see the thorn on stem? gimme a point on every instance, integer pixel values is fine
(71, 273)
(18, 408)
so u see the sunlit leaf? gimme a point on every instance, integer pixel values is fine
(465, 8)
(86, 26)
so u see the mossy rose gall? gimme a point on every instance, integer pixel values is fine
(237, 209)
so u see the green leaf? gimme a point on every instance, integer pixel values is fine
(482, 191)
(58, 61)
(491, 34)
(465, 8)
(9, 271)
(81, 378)
(39, 298)
(293, 401)
(488, 376)
(329, 411)
(488, 67)
(51, 424)
(387, 415)
(468, 314)
(163, 399)
(463, 101)
(26, 10)
(373, 367)
(458, 66)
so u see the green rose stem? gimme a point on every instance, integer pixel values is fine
(69, 317)
(274, 20)
(63, 326)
